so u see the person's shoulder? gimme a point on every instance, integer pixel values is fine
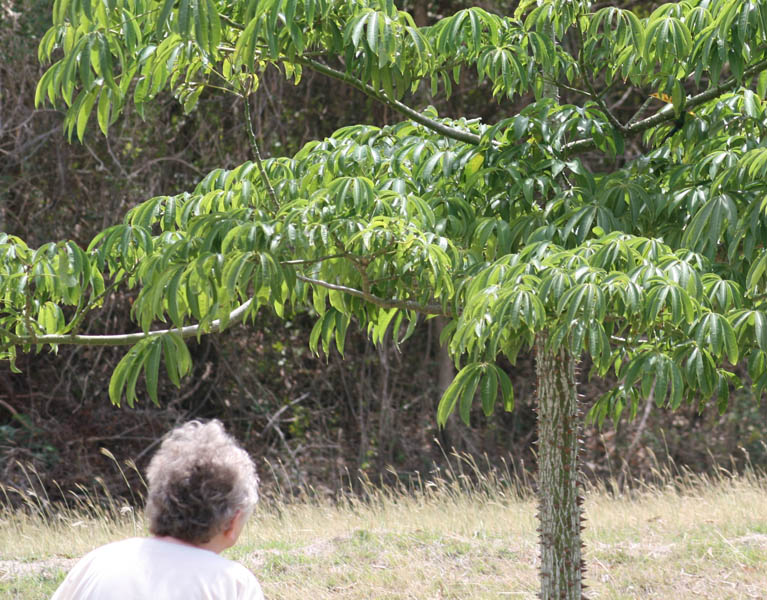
(134, 542)
(121, 547)
(233, 567)
(96, 562)
(248, 587)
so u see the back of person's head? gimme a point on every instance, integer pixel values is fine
(198, 480)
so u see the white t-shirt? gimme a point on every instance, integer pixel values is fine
(155, 569)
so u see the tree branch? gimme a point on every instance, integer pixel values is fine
(451, 132)
(436, 126)
(128, 339)
(666, 113)
(428, 309)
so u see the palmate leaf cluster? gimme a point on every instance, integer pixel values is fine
(653, 266)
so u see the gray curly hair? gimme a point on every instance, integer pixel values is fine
(198, 480)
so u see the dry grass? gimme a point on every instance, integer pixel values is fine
(684, 537)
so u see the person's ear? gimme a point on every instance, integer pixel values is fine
(235, 527)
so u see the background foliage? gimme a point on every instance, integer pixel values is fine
(317, 418)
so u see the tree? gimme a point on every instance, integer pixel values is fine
(635, 242)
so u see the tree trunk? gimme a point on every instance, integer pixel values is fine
(386, 431)
(421, 13)
(558, 474)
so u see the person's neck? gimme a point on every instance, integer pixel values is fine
(226, 538)
(215, 544)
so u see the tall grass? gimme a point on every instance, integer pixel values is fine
(467, 531)
(34, 527)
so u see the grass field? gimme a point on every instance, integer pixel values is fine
(686, 537)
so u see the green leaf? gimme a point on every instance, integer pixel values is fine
(474, 165)
(171, 360)
(760, 329)
(199, 10)
(679, 97)
(761, 88)
(458, 389)
(328, 327)
(105, 63)
(489, 390)
(162, 18)
(85, 111)
(677, 386)
(467, 396)
(317, 330)
(507, 390)
(183, 358)
(117, 381)
(51, 318)
(183, 23)
(152, 368)
(756, 273)
(752, 105)
(372, 32)
(126, 374)
(102, 113)
(134, 370)
(722, 394)
(447, 404)
(342, 324)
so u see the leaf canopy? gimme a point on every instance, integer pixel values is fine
(650, 261)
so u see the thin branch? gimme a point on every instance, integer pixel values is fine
(12, 410)
(638, 114)
(436, 126)
(230, 22)
(605, 109)
(428, 309)
(256, 151)
(597, 98)
(567, 87)
(149, 163)
(128, 339)
(312, 261)
(638, 434)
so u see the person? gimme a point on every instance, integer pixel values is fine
(202, 488)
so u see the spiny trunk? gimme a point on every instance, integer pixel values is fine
(558, 474)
